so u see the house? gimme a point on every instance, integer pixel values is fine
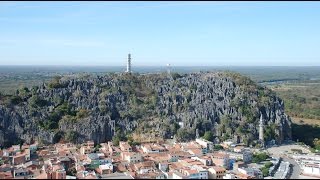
(228, 176)
(86, 175)
(193, 145)
(33, 173)
(6, 175)
(205, 143)
(33, 147)
(311, 168)
(244, 176)
(86, 149)
(131, 157)
(44, 152)
(5, 168)
(20, 173)
(105, 169)
(196, 152)
(158, 157)
(97, 159)
(205, 160)
(16, 148)
(151, 175)
(188, 173)
(152, 148)
(90, 144)
(164, 167)
(238, 149)
(27, 154)
(173, 157)
(247, 156)
(239, 164)
(251, 172)
(227, 144)
(116, 175)
(18, 159)
(216, 172)
(125, 147)
(144, 167)
(31, 165)
(220, 159)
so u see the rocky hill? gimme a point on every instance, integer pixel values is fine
(85, 108)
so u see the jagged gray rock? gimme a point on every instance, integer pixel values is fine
(191, 99)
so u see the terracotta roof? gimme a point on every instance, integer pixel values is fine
(6, 175)
(219, 155)
(91, 176)
(121, 167)
(43, 175)
(218, 168)
(195, 151)
(191, 171)
(244, 176)
(145, 164)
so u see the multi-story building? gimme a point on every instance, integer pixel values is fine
(221, 159)
(125, 147)
(204, 143)
(216, 172)
(131, 157)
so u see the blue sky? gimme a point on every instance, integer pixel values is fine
(157, 33)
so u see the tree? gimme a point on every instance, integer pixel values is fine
(71, 136)
(316, 143)
(36, 101)
(184, 134)
(217, 147)
(268, 164)
(265, 171)
(116, 140)
(208, 135)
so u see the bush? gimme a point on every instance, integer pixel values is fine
(208, 135)
(82, 113)
(268, 164)
(36, 101)
(55, 83)
(259, 157)
(265, 171)
(176, 76)
(217, 147)
(185, 134)
(15, 100)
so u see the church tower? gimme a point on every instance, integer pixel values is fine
(261, 125)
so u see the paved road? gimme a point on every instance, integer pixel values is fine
(296, 168)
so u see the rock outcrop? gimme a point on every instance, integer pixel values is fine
(225, 103)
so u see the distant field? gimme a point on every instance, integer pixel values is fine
(301, 98)
(13, 77)
(305, 121)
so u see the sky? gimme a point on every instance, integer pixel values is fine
(156, 33)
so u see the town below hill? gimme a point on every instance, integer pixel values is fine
(199, 159)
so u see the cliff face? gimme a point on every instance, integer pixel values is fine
(83, 108)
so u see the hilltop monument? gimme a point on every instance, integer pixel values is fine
(129, 64)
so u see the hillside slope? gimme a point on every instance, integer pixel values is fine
(81, 108)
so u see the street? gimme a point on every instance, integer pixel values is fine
(295, 173)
